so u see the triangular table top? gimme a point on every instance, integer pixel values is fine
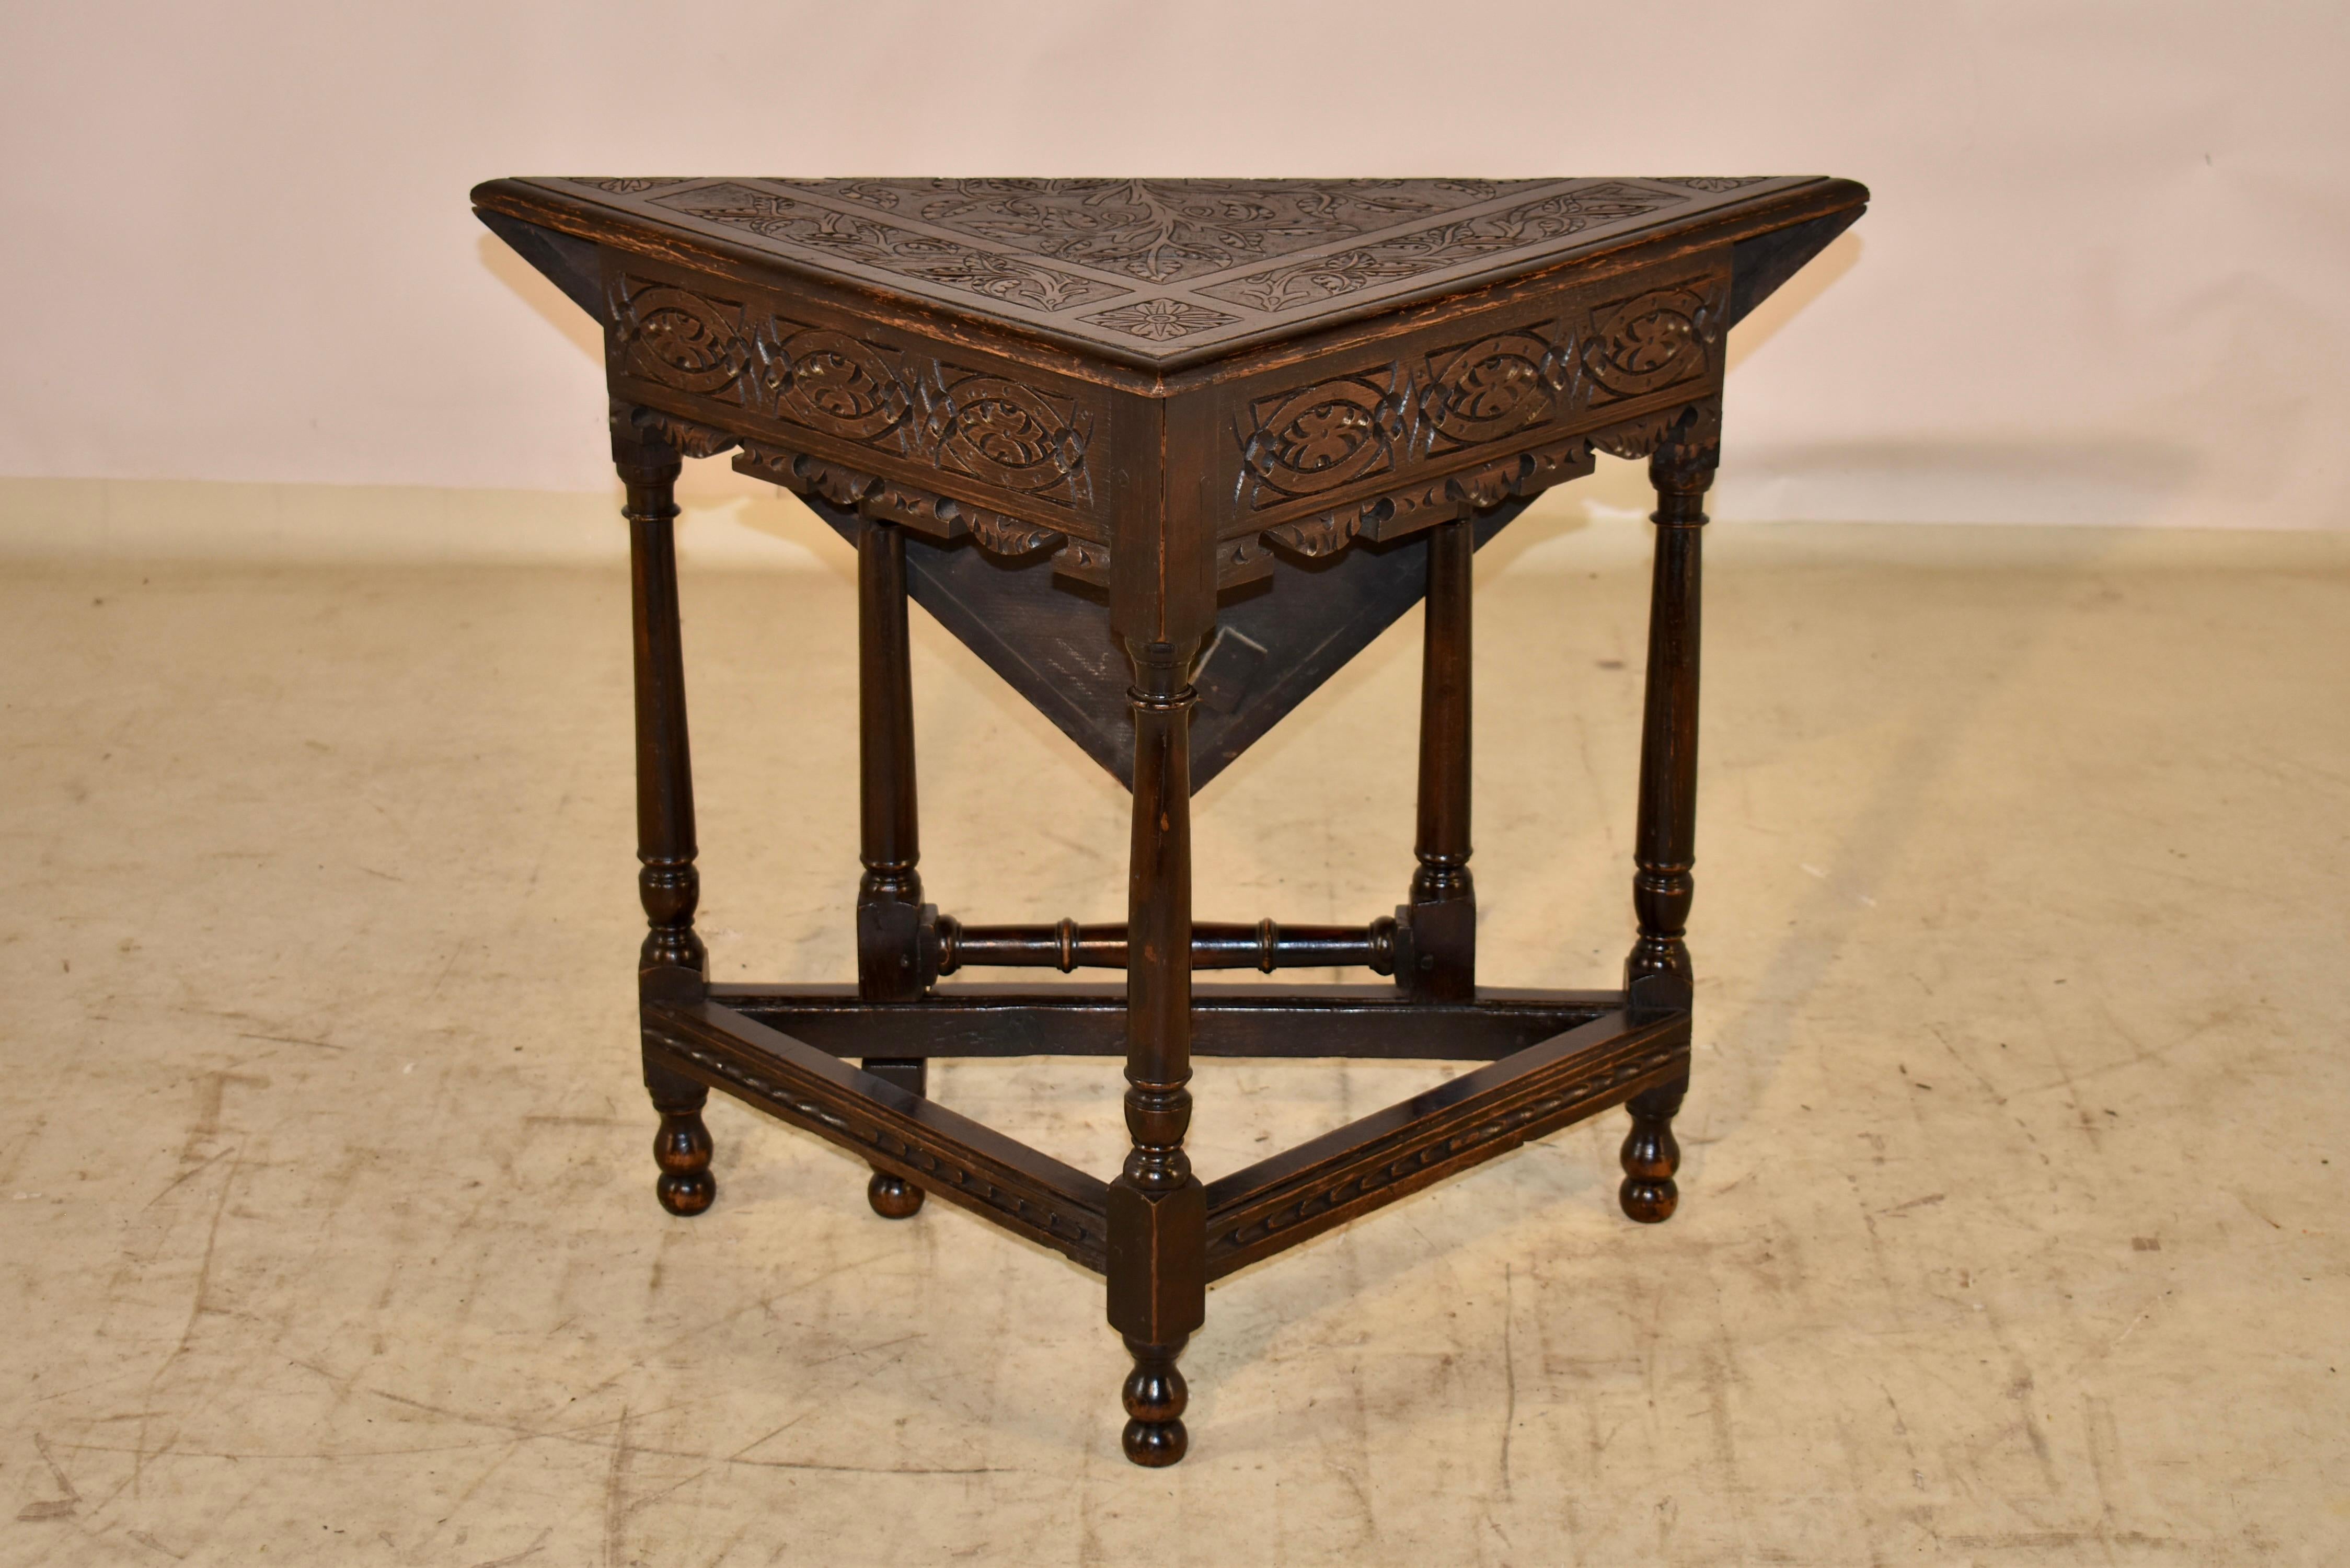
(1163, 271)
(1246, 393)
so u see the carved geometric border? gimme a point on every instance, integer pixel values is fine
(1279, 1202)
(973, 1166)
(1031, 250)
(905, 405)
(1535, 380)
(1253, 1214)
(1518, 476)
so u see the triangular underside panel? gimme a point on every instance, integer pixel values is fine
(568, 263)
(1759, 266)
(1278, 640)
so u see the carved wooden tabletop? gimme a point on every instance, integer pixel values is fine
(1157, 273)
(1190, 393)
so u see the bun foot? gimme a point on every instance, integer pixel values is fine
(687, 1195)
(1155, 1394)
(682, 1149)
(1649, 1202)
(1651, 1156)
(1155, 1444)
(893, 1197)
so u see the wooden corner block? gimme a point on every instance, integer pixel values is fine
(1158, 1261)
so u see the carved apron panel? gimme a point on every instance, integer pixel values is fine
(774, 371)
(1504, 403)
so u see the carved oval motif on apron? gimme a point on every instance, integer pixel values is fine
(1011, 435)
(831, 382)
(1492, 389)
(1647, 343)
(1322, 437)
(680, 341)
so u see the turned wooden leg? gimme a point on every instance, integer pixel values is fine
(1158, 1208)
(1658, 979)
(896, 953)
(673, 964)
(1657, 975)
(1436, 933)
(1155, 1396)
(681, 1148)
(893, 1196)
(1651, 1156)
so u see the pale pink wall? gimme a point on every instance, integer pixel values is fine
(2104, 278)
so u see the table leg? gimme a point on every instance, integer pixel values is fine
(1656, 976)
(1158, 1209)
(889, 897)
(672, 963)
(1437, 931)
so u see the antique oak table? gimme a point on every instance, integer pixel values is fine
(1166, 454)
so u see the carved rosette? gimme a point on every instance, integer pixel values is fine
(1161, 319)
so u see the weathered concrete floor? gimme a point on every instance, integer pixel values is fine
(2009, 1232)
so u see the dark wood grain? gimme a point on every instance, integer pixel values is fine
(940, 408)
(672, 957)
(1651, 1154)
(1656, 976)
(1364, 1165)
(1659, 979)
(889, 965)
(896, 955)
(1278, 638)
(1158, 273)
(890, 1195)
(974, 1167)
(671, 962)
(1759, 264)
(1369, 1021)
(1435, 931)
(1267, 945)
(1166, 454)
(1157, 1215)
